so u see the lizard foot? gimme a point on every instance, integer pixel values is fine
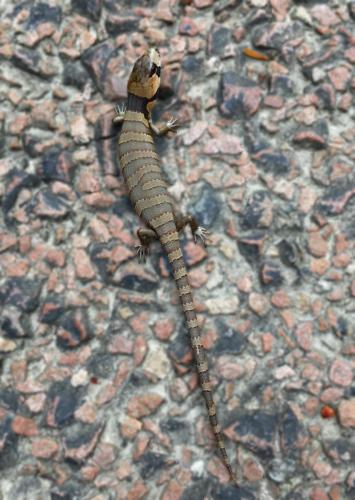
(120, 112)
(202, 234)
(172, 125)
(142, 252)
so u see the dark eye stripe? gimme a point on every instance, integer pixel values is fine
(155, 69)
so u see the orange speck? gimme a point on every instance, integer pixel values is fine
(327, 412)
(255, 54)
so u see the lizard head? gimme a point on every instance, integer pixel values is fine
(144, 80)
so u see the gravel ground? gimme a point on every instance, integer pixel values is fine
(98, 397)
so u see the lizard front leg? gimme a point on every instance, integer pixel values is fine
(146, 237)
(120, 112)
(170, 126)
(197, 231)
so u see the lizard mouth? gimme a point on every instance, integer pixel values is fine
(155, 62)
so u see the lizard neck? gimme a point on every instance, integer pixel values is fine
(138, 104)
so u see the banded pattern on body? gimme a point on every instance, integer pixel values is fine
(140, 166)
(147, 190)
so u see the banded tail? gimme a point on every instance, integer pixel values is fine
(170, 242)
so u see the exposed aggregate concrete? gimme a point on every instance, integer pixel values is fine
(98, 394)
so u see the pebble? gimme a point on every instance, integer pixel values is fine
(24, 426)
(163, 329)
(259, 3)
(341, 373)
(7, 345)
(80, 378)
(281, 299)
(83, 267)
(237, 97)
(340, 77)
(92, 59)
(273, 162)
(350, 54)
(157, 363)
(252, 470)
(267, 342)
(251, 246)
(280, 8)
(141, 406)
(195, 133)
(23, 293)
(335, 200)
(318, 246)
(276, 35)
(303, 335)
(229, 369)
(82, 446)
(270, 274)
(346, 412)
(303, 14)
(74, 329)
(36, 403)
(325, 15)
(139, 350)
(284, 372)
(319, 493)
(310, 139)
(120, 345)
(49, 206)
(326, 96)
(218, 40)
(188, 27)
(258, 212)
(259, 304)
(331, 395)
(105, 454)
(222, 306)
(223, 144)
(117, 25)
(130, 427)
(207, 207)
(86, 413)
(99, 200)
(44, 448)
(202, 4)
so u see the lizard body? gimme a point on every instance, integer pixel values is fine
(148, 193)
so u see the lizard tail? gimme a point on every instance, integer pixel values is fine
(171, 244)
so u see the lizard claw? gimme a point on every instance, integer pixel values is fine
(201, 233)
(120, 110)
(142, 252)
(172, 124)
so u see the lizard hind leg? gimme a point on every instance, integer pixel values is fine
(198, 232)
(170, 126)
(146, 237)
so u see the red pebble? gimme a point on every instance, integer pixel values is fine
(327, 412)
